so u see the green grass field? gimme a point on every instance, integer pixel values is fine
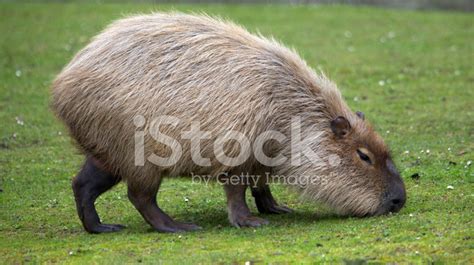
(410, 72)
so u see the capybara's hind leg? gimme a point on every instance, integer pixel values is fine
(92, 181)
(265, 201)
(144, 199)
(239, 213)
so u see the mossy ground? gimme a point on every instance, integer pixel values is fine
(410, 72)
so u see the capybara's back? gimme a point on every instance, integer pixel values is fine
(194, 68)
(202, 78)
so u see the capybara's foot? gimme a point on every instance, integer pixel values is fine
(175, 227)
(92, 181)
(104, 228)
(239, 213)
(188, 226)
(265, 201)
(275, 209)
(249, 221)
(145, 202)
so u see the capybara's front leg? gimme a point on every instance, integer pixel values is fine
(265, 201)
(239, 213)
(144, 199)
(92, 181)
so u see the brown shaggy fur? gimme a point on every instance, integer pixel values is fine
(198, 68)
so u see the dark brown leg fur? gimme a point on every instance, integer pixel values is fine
(144, 199)
(239, 213)
(265, 201)
(88, 185)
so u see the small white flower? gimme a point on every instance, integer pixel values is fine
(449, 187)
(411, 215)
(381, 83)
(407, 152)
(428, 151)
(18, 73)
(186, 199)
(19, 121)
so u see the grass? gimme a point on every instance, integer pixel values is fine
(410, 72)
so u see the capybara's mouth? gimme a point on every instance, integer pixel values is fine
(390, 207)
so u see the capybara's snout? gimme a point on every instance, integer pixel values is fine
(394, 197)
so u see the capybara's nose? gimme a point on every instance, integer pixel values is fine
(396, 203)
(394, 200)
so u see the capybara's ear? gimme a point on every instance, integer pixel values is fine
(340, 126)
(360, 114)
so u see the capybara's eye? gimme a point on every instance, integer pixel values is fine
(364, 156)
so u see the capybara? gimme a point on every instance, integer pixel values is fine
(166, 95)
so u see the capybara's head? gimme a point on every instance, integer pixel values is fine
(364, 181)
